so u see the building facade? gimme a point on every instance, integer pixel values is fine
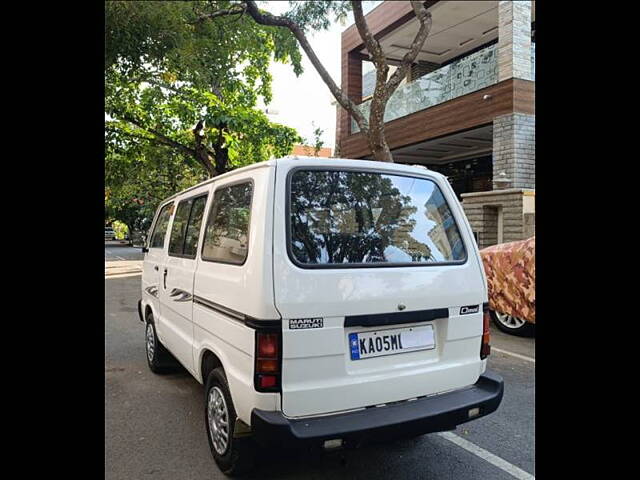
(466, 109)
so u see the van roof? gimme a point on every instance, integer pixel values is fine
(308, 160)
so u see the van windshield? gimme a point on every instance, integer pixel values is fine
(367, 218)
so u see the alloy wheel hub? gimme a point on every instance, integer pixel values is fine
(509, 321)
(151, 342)
(218, 418)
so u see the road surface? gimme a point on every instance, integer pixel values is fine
(154, 425)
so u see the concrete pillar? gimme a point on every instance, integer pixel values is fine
(514, 40)
(514, 150)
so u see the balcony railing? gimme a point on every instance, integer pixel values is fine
(471, 73)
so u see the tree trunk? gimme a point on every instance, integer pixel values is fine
(376, 137)
(222, 160)
(130, 231)
(202, 156)
(202, 153)
(378, 144)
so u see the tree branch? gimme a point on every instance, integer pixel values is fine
(370, 42)
(221, 13)
(265, 18)
(202, 152)
(379, 100)
(129, 134)
(160, 136)
(424, 17)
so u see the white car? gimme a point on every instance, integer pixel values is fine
(320, 302)
(109, 234)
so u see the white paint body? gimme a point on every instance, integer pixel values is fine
(318, 375)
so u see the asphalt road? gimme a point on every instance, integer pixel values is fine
(154, 425)
(114, 251)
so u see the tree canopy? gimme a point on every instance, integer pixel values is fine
(181, 96)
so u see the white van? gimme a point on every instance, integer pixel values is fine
(320, 302)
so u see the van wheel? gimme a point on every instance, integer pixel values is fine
(513, 325)
(159, 358)
(234, 456)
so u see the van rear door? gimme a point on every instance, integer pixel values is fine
(379, 285)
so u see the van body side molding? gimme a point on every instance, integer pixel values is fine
(241, 317)
(395, 318)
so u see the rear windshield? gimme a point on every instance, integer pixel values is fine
(366, 219)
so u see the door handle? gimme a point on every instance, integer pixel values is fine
(165, 278)
(156, 268)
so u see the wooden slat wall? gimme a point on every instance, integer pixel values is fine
(524, 96)
(462, 113)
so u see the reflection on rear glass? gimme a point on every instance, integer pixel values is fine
(340, 217)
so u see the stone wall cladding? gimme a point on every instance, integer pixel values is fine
(482, 213)
(529, 225)
(514, 141)
(514, 40)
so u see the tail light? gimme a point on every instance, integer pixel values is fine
(268, 361)
(485, 347)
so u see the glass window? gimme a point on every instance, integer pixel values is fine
(176, 241)
(193, 228)
(160, 229)
(226, 236)
(347, 217)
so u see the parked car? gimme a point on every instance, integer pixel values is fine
(320, 303)
(511, 279)
(109, 234)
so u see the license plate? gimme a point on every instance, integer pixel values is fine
(391, 342)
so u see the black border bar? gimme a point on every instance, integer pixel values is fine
(395, 318)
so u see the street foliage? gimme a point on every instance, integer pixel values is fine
(180, 100)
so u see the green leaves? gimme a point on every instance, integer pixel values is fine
(177, 37)
(319, 14)
(168, 72)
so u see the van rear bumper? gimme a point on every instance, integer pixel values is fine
(425, 415)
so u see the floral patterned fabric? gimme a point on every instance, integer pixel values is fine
(511, 278)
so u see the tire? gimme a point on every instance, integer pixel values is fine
(237, 455)
(159, 358)
(512, 325)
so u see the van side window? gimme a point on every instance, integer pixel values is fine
(193, 227)
(186, 227)
(176, 241)
(160, 229)
(227, 234)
